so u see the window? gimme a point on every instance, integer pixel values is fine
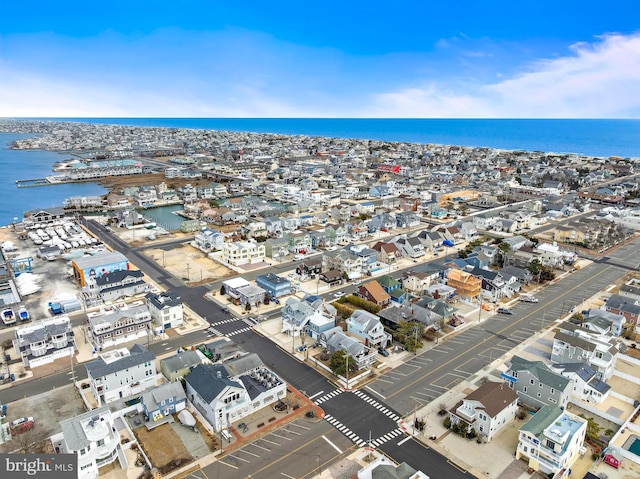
(539, 385)
(552, 391)
(524, 389)
(515, 374)
(539, 395)
(531, 381)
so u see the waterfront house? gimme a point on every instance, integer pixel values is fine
(122, 373)
(94, 438)
(552, 440)
(486, 410)
(43, 217)
(44, 341)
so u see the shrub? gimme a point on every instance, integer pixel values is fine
(447, 422)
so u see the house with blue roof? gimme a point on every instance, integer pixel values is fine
(274, 285)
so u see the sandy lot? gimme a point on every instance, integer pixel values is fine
(186, 262)
(163, 446)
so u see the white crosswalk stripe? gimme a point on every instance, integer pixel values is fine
(368, 399)
(328, 396)
(387, 437)
(238, 331)
(344, 429)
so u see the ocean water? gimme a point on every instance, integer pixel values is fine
(588, 137)
(26, 164)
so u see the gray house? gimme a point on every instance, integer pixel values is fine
(536, 385)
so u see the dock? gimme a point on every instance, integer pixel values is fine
(32, 182)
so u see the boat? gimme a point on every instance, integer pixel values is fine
(24, 314)
(8, 316)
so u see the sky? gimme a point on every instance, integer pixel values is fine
(330, 59)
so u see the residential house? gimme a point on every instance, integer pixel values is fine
(163, 401)
(179, 365)
(309, 268)
(222, 394)
(465, 284)
(372, 291)
(387, 253)
(599, 320)
(486, 410)
(298, 241)
(208, 240)
(239, 253)
(332, 277)
(94, 438)
(122, 373)
(276, 248)
(44, 341)
(628, 307)
(410, 247)
(368, 328)
(407, 219)
(585, 383)
(393, 287)
(535, 384)
(114, 286)
(573, 344)
(551, 440)
(274, 285)
(166, 309)
(417, 282)
(119, 324)
(336, 340)
(306, 318)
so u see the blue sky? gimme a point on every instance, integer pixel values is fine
(462, 59)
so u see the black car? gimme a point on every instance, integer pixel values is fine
(383, 351)
(504, 311)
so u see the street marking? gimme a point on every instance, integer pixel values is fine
(292, 432)
(259, 447)
(239, 458)
(404, 440)
(317, 394)
(281, 437)
(301, 427)
(270, 442)
(375, 392)
(287, 475)
(332, 444)
(230, 465)
(247, 452)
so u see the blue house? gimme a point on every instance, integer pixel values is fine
(274, 285)
(393, 287)
(162, 401)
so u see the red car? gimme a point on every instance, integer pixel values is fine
(22, 425)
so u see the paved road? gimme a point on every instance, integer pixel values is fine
(371, 415)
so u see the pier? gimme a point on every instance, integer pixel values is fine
(32, 182)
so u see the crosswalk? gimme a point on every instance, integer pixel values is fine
(224, 321)
(329, 395)
(380, 407)
(345, 430)
(216, 332)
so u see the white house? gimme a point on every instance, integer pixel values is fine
(368, 328)
(119, 324)
(222, 394)
(486, 410)
(243, 252)
(209, 239)
(551, 440)
(166, 309)
(94, 438)
(45, 341)
(122, 373)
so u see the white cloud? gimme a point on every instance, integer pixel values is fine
(599, 80)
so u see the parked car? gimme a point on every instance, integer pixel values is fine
(383, 351)
(339, 294)
(22, 425)
(505, 311)
(225, 309)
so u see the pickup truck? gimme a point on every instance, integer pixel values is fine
(528, 298)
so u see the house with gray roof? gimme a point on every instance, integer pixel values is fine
(94, 438)
(166, 309)
(122, 373)
(120, 324)
(222, 394)
(585, 383)
(179, 365)
(536, 384)
(44, 341)
(163, 401)
(368, 328)
(573, 344)
(113, 286)
(628, 307)
(337, 340)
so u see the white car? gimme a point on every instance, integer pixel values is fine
(339, 294)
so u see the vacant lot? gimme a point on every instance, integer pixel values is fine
(163, 447)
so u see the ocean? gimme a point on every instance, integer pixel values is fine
(602, 138)
(588, 137)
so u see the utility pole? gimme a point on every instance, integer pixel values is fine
(347, 372)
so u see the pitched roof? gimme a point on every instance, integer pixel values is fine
(376, 291)
(540, 372)
(494, 397)
(138, 354)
